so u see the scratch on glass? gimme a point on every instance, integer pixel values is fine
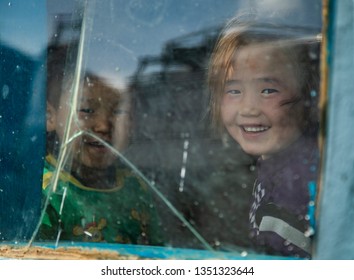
(184, 165)
(63, 154)
(155, 190)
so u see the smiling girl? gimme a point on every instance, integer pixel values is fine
(263, 87)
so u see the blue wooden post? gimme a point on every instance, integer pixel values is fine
(336, 208)
(22, 127)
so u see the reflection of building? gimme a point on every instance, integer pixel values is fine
(174, 147)
(65, 29)
(190, 50)
(171, 87)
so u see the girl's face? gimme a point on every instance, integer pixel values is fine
(102, 113)
(261, 106)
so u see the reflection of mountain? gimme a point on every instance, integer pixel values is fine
(172, 137)
(22, 143)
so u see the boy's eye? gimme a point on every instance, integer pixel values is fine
(120, 112)
(269, 91)
(86, 110)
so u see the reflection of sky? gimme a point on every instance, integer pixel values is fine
(23, 25)
(123, 31)
(140, 28)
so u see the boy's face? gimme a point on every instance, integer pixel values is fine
(105, 114)
(261, 106)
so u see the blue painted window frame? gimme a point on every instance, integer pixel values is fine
(335, 202)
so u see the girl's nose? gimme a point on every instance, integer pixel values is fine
(250, 105)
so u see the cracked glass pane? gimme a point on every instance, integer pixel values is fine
(141, 146)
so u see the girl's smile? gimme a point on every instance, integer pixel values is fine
(254, 128)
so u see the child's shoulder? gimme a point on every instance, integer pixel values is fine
(49, 172)
(127, 178)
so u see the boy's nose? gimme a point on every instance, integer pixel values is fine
(102, 123)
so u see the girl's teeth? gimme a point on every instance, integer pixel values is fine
(256, 129)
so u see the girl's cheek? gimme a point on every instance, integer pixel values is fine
(226, 115)
(224, 103)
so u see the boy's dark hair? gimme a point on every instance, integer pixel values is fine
(61, 62)
(60, 68)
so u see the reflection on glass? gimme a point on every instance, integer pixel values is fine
(130, 154)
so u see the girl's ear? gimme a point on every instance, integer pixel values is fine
(51, 118)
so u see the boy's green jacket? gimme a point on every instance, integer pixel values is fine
(122, 214)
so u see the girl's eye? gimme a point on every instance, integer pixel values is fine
(233, 91)
(269, 91)
(86, 110)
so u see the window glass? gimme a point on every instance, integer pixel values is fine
(181, 124)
